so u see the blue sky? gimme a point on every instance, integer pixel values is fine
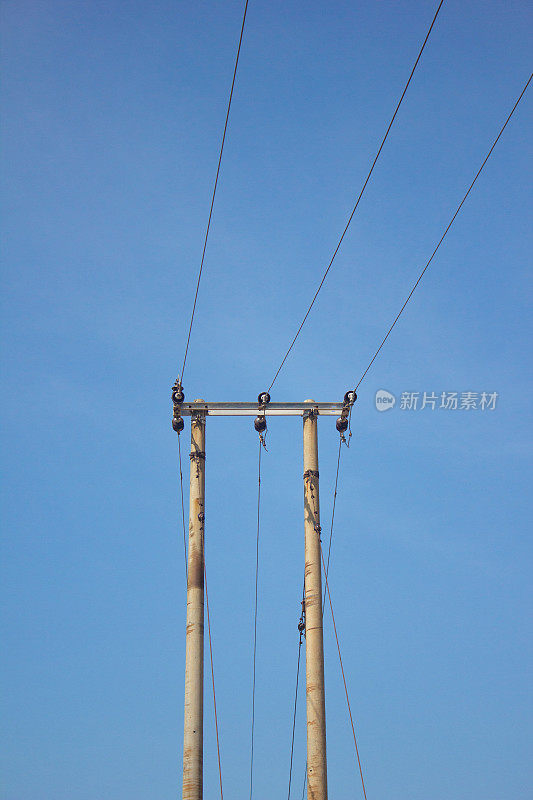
(112, 117)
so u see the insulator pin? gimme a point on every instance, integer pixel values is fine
(350, 397)
(178, 424)
(341, 424)
(260, 424)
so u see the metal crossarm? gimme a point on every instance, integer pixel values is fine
(252, 409)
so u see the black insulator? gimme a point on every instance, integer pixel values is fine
(341, 424)
(350, 397)
(301, 626)
(263, 398)
(178, 396)
(260, 424)
(178, 424)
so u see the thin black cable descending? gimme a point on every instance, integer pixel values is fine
(343, 675)
(359, 197)
(213, 197)
(213, 681)
(301, 629)
(183, 512)
(294, 715)
(317, 527)
(446, 231)
(332, 518)
(255, 613)
(305, 781)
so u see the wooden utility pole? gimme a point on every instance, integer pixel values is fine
(314, 648)
(317, 778)
(193, 736)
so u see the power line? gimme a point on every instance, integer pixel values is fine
(305, 781)
(342, 671)
(317, 526)
(213, 680)
(295, 700)
(183, 513)
(213, 196)
(255, 613)
(446, 231)
(332, 517)
(358, 198)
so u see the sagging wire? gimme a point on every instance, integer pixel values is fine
(359, 197)
(333, 513)
(301, 630)
(261, 430)
(318, 531)
(305, 781)
(260, 426)
(183, 511)
(214, 191)
(213, 680)
(478, 173)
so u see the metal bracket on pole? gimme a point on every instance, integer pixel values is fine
(250, 409)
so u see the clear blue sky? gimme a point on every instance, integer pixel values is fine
(112, 117)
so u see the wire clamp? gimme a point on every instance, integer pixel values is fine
(178, 397)
(343, 423)
(301, 623)
(260, 423)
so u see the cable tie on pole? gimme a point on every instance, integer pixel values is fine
(310, 473)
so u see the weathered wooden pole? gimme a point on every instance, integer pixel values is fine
(193, 735)
(317, 780)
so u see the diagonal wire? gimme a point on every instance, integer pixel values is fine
(255, 614)
(296, 690)
(342, 671)
(294, 715)
(446, 231)
(317, 527)
(358, 198)
(332, 518)
(183, 511)
(305, 781)
(213, 680)
(214, 193)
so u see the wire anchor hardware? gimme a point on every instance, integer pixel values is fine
(343, 422)
(260, 423)
(178, 396)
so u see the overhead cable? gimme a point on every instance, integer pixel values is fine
(213, 196)
(358, 198)
(183, 512)
(478, 173)
(255, 614)
(213, 680)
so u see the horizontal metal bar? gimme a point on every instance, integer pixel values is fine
(253, 409)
